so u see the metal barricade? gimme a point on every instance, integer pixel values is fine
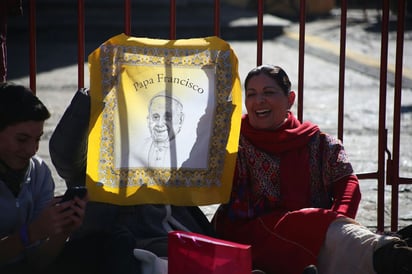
(387, 172)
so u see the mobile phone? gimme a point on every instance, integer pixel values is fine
(71, 192)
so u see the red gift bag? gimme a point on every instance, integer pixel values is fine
(199, 254)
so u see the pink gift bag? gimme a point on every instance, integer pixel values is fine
(199, 254)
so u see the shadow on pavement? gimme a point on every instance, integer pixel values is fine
(57, 34)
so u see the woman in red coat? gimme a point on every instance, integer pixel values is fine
(295, 195)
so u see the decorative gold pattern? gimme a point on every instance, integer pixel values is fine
(125, 75)
(112, 58)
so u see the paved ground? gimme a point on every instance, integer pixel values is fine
(57, 82)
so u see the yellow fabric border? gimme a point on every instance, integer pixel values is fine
(103, 62)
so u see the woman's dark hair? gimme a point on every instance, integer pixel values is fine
(274, 72)
(19, 104)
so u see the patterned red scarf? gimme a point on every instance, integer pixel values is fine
(291, 135)
(289, 142)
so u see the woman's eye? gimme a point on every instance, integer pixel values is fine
(270, 92)
(273, 92)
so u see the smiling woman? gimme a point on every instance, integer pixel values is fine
(295, 195)
(268, 101)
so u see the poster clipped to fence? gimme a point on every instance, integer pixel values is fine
(165, 121)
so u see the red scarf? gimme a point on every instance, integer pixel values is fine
(291, 135)
(289, 142)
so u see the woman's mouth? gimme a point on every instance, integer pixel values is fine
(262, 112)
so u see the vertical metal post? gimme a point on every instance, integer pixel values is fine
(80, 44)
(397, 113)
(127, 17)
(172, 29)
(342, 59)
(32, 45)
(382, 139)
(259, 37)
(301, 65)
(217, 18)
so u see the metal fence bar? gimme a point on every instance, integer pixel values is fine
(259, 37)
(172, 29)
(342, 62)
(392, 164)
(397, 113)
(216, 23)
(127, 17)
(301, 64)
(32, 45)
(382, 131)
(80, 44)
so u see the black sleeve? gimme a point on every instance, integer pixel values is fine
(68, 143)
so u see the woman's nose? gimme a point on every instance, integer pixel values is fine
(260, 98)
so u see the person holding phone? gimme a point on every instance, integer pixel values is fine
(34, 225)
